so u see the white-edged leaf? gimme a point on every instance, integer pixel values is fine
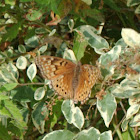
(59, 134)
(69, 54)
(39, 93)
(127, 88)
(72, 114)
(6, 76)
(124, 125)
(21, 48)
(135, 121)
(134, 99)
(67, 109)
(95, 41)
(88, 2)
(71, 24)
(21, 63)
(38, 116)
(13, 69)
(89, 134)
(52, 32)
(31, 71)
(32, 42)
(106, 59)
(137, 11)
(133, 109)
(131, 37)
(132, 2)
(43, 48)
(107, 107)
(106, 135)
(78, 118)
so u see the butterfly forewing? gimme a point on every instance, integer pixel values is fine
(87, 78)
(52, 67)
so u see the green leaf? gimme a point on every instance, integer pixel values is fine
(23, 94)
(21, 63)
(89, 134)
(31, 71)
(10, 110)
(8, 87)
(79, 46)
(56, 113)
(131, 37)
(107, 107)
(72, 114)
(38, 116)
(54, 6)
(61, 134)
(3, 110)
(4, 134)
(106, 136)
(11, 2)
(34, 15)
(95, 41)
(15, 130)
(43, 2)
(14, 111)
(112, 4)
(39, 93)
(25, 0)
(11, 32)
(3, 97)
(94, 14)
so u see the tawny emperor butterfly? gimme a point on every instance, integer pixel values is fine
(70, 80)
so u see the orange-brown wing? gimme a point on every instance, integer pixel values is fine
(63, 85)
(88, 76)
(52, 67)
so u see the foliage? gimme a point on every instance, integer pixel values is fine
(104, 32)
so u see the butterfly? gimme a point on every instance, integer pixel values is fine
(69, 80)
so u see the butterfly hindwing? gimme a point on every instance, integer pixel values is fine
(87, 78)
(63, 85)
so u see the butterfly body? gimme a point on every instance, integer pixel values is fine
(70, 80)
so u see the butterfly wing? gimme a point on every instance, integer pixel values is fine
(52, 67)
(87, 78)
(60, 71)
(63, 85)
